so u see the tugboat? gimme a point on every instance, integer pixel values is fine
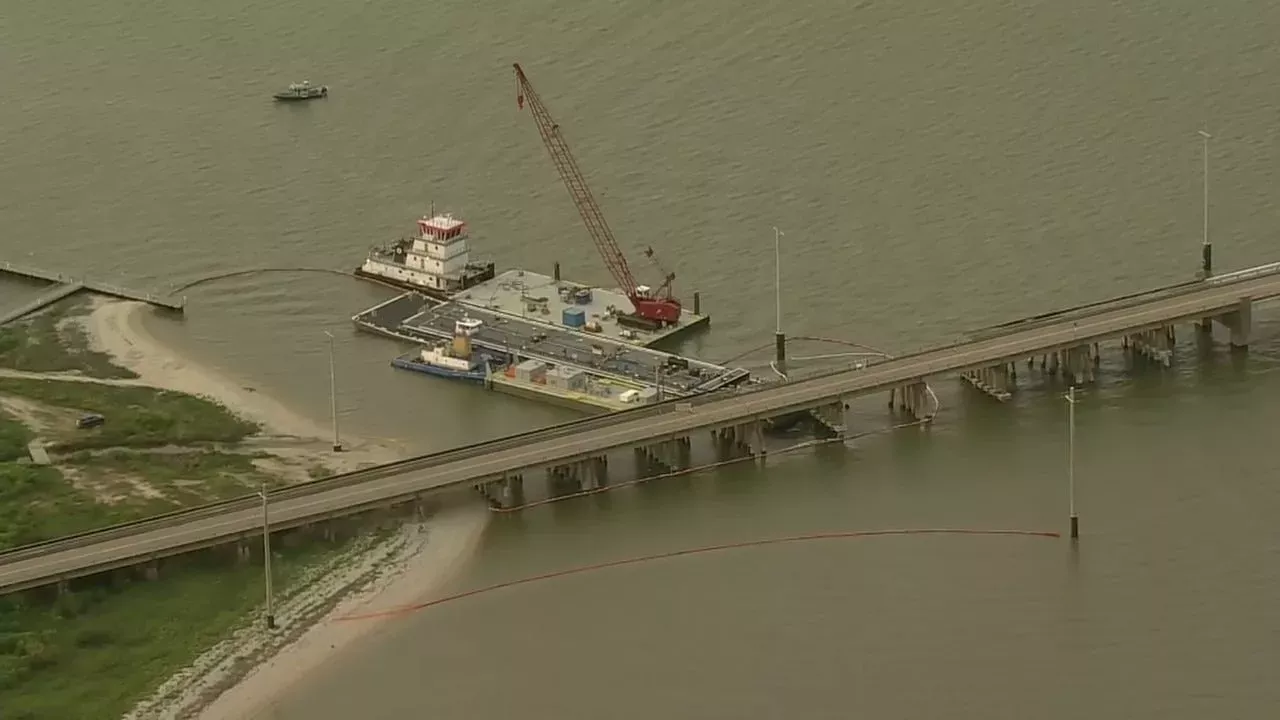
(455, 360)
(436, 263)
(303, 91)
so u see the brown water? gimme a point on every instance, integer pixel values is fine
(934, 169)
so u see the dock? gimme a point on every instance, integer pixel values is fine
(594, 452)
(587, 371)
(597, 364)
(65, 286)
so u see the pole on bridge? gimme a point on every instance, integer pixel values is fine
(266, 557)
(1206, 247)
(779, 339)
(1071, 461)
(333, 395)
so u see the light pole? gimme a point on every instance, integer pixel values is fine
(333, 395)
(266, 556)
(1071, 461)
(1206, 248)
(779, 339)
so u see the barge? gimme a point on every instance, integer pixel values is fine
(436, 263)
(587, 371)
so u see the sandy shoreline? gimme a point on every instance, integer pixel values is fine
(258, 669)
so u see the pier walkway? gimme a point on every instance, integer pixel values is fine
(664, 431)
(66, 286)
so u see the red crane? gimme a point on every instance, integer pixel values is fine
(657, 307)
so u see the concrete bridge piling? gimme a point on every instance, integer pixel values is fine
(1079, 364)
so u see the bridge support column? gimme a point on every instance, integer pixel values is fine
(1153, 345)
(600, 470)
(761, 452)
(511, 493)
(922, 400)
(830, 420)
(731, 447)
(685, 447)
(993, 381)
(1079, 365)
(588, 477)
(741, 441)
(1240, 323)
(151, 570)
(242, 551)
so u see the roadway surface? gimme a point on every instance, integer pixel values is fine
(198, 528)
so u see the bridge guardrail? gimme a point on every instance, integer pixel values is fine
(678, 405)
(1131, 300)
(174, 517)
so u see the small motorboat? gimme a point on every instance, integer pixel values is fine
(303, 91)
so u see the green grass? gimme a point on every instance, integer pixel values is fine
(37, 503)
(52, 342)
(93, 654)
(14, 437)
(183, 479)
(135, 416)
(41, 503)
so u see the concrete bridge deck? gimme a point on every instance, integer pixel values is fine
(585, 441)
(65, 286)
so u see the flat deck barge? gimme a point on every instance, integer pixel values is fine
(545, 300)
(549, 361)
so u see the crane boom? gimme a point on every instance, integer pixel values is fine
(575, 183)
(647, 307)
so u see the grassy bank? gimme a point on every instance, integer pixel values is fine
(93, 654)
(135, 416)
(53, 341)
(14, 436)
(41, 503)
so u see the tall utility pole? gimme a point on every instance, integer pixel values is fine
(1206, 248)
(1071, 461)
(779, 339)
(333, 395)
(266, 557)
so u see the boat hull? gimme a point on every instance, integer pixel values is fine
(476, 376)
(468, 282)
(289, 97)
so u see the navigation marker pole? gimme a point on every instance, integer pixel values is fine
(266, 557)
(779, 339)
(1206, 247)
(333, 395)
(1071, 461)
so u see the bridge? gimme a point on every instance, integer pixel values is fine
(66, 286)
(659, 434)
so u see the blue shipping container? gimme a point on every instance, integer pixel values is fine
(574, 317)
